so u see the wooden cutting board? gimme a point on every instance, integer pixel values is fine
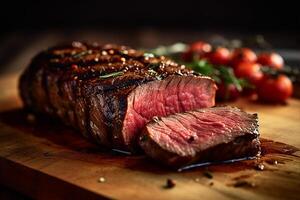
(48, 161)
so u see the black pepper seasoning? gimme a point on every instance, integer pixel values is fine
(191, 139)
(170, 184)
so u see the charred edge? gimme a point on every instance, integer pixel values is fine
(33, 76)
(121, 111)
(109, 117)
(45, 86)
(24, 90)
(87, 113)
(87, 118)
(170, 159)
(73, 90)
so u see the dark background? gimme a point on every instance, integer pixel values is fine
(210, 14)
(30, 26)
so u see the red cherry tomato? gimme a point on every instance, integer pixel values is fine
(242, 55)
(220, 56)
(273, 60)
(227, 92)
(200, 46)
(275, 89)
(197, 49)
(249, 71)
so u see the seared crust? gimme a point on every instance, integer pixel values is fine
(65, 81)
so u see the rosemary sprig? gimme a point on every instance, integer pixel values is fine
(228, 77)
(113, 74)
(80, 54)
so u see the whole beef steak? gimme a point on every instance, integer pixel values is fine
(110, 92)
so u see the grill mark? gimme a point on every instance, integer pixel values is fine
(67, 59)
(87, 103)
(92, 75)
(80, 99)
(73, 90)
(114, 117)
(82, 62)
(46, 90)
(30, 78)
(131, 62)
(61, 94)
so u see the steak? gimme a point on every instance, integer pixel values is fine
(203, 135)
(109, 92)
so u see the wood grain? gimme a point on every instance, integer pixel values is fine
(49, 161)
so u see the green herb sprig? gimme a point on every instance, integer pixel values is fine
(109, 75)
(221, 74)
(83, 53)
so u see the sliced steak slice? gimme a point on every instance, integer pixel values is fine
(210, 134)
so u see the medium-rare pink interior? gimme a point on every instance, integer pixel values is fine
(161, 98)
(187, 133)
